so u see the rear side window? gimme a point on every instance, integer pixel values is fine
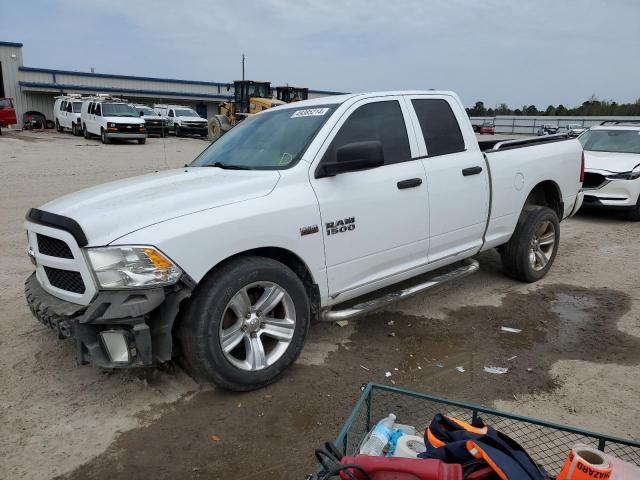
(439, 126)
(382, 121)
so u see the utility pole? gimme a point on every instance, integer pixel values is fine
(243, 66)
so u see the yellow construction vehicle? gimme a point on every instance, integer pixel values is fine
(292, 94)
(250, 97)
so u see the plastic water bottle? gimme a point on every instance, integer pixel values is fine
(379, 437)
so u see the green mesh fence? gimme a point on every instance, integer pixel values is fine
(547, 443)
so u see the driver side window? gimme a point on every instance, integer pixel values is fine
(382, 121)
(98, 110)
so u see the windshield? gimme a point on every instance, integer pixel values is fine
(77, 106)
(146, 111)
(269, 141)
(5, 103)
(185, 112)
(620, 141)
(118, 110)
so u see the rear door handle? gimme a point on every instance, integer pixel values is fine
(410, 183)
(471, 171)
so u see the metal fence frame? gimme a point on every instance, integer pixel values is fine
(367, 397)
(527, 125)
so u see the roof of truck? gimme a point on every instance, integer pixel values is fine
(334, 99)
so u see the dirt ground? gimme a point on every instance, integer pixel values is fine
(575, 361)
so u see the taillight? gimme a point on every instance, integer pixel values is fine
(582, 169)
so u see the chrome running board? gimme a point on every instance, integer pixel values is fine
(469, 266)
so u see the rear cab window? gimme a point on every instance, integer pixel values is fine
(440, 128)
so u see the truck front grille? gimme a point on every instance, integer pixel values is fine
(65, 279)
(128, 128)
(53, 247)
(593, 180)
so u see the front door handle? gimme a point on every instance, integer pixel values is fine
(471, 171)
(410, 183)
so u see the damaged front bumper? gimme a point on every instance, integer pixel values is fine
(118, 328)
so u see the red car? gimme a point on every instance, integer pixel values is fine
(487, 128)
(7, 113)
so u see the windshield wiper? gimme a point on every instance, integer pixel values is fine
(227, 166)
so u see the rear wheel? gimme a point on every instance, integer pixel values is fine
(246, 324)
(530, 252)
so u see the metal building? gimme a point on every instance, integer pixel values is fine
(34, 89)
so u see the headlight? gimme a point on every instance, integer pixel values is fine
(111, 125)
(132, 267)
(632, 175)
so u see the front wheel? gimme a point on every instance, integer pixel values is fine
(103, 136)
(74, 129)
(530, 252)
(246, 324)
(85, 132)
(142, 141)
(178, 131)
(635, 213)
(58, 127)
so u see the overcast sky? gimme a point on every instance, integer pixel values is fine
(518, 52)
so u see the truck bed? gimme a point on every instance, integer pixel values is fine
(495, 145)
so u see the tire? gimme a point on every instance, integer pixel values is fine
(58, 127)
(215, 129)
(530, 252)
(142, 141)
(178, 131)
(74, 129)
(634, 214)
(210, 312)
(85, 132)
(103, 137)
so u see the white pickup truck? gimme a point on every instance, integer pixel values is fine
(322, 209)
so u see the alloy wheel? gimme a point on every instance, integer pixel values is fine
(542, 245)
(257, 326)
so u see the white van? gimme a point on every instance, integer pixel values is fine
(183, 120)
(112, 118)
(66, 112)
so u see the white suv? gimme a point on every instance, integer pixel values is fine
(183, 120)
(66, 111)
(112, 119)
(612, 166)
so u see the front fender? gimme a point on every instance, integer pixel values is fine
(199, 241)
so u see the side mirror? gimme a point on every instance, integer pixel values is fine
(353, 157)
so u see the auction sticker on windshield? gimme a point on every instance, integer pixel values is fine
(310, 112)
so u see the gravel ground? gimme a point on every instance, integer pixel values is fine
(580, 338)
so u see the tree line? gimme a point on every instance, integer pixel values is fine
(592, 107)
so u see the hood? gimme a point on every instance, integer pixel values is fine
(124, 119)
(109, 211)
(610, 161)
(192, 119)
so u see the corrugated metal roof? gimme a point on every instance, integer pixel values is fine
(121, 77)
(131, 91)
